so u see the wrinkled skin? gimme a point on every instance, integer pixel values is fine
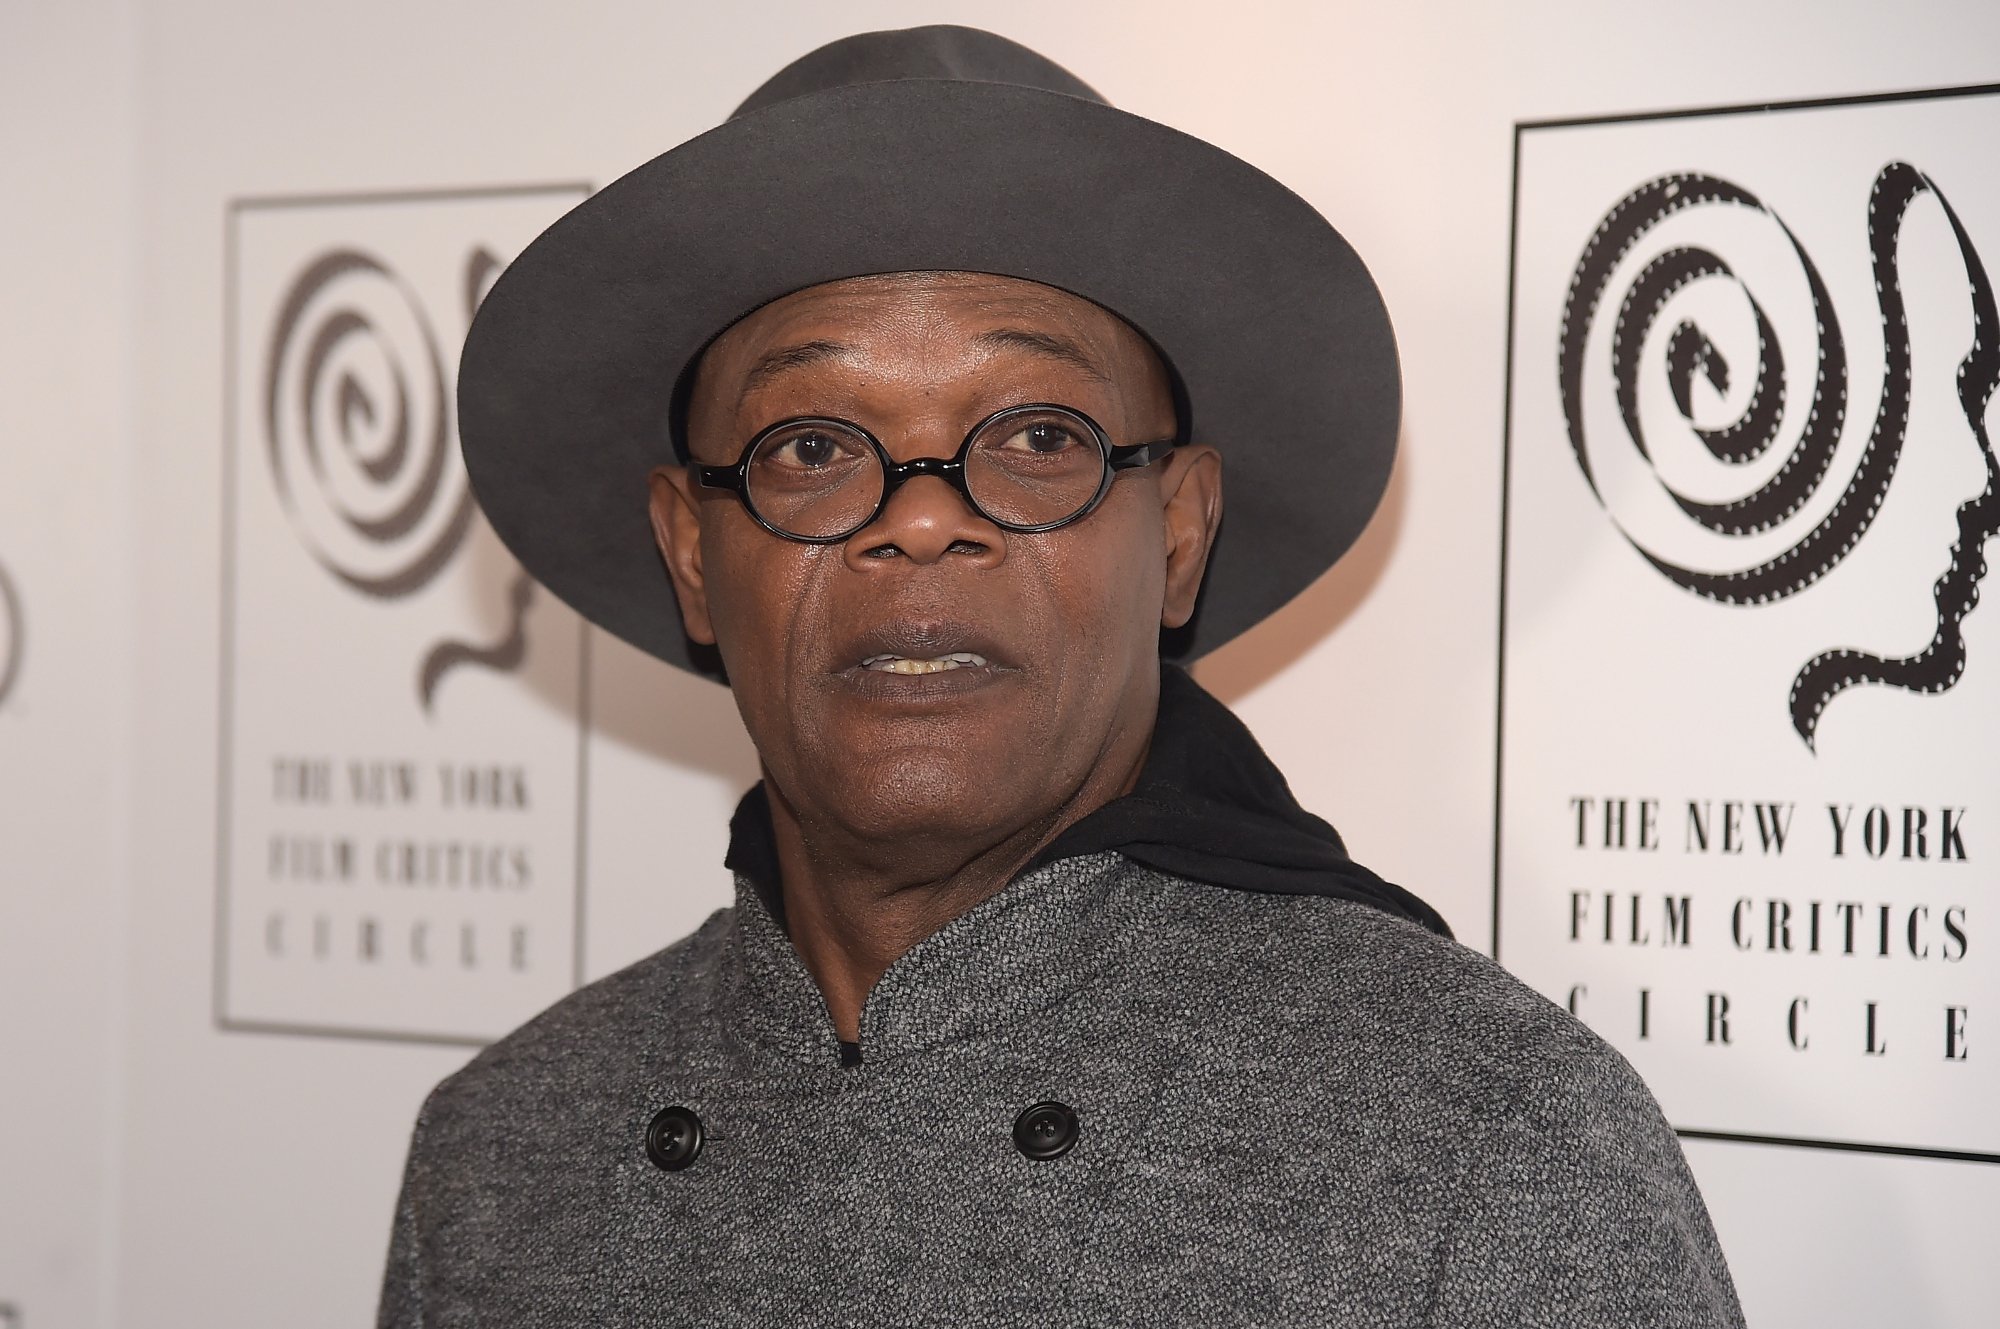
(900, 802)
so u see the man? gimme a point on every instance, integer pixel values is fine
(1042, 1001)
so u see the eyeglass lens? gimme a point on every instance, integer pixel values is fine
(819, 479)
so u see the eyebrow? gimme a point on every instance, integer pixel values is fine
(773, 363)
(1045, 344)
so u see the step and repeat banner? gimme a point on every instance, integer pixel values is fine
(1701, 404)
(1748, 776)
(401, 706)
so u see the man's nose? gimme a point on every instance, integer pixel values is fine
(923, 521)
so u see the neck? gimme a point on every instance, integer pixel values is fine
(854, 906)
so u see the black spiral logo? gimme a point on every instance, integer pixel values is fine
(359, 427)
(13, 635)
(361, 442)
(1648, 314)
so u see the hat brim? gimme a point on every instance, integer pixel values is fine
(1270, 321)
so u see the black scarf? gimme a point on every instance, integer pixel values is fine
(1209, 806)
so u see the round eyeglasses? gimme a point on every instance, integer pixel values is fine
(1031, 468)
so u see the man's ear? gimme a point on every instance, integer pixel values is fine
(1191, 493)
(676, 515)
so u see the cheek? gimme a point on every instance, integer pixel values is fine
(1108, 582)
(737, 558)
(760, 600)
(1123, 567)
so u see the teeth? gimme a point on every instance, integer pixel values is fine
(896, 664)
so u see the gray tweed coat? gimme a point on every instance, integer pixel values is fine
(1290, 1111)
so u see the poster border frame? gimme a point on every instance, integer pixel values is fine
(233, 209)
(1521, 128)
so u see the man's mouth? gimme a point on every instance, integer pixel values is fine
(913, 660)
(937, 664)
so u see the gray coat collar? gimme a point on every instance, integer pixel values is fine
(998, 964)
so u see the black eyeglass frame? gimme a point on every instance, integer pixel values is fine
(951, 470)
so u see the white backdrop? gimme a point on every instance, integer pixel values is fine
(158, 1168)
(69, 89)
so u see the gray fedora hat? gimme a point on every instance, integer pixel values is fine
(937, 148)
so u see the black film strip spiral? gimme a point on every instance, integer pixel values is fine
(1690, 352)
(361, 441)
(359, 427)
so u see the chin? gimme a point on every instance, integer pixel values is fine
(926, 793)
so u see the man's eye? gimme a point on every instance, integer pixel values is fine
(808, 451)
(1044, 438)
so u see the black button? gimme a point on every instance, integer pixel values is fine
(674, 1138)
(1045, 1131)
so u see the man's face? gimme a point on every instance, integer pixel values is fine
(1067, 621)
